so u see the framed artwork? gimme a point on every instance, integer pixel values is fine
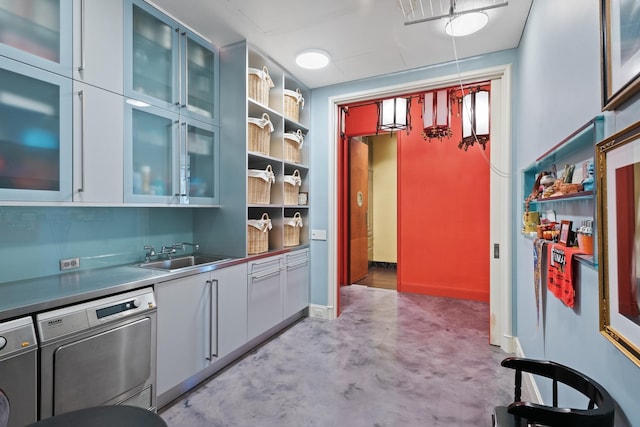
(618, 210)
(620, 47)
(565, 232)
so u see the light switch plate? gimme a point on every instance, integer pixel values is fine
(318, 234)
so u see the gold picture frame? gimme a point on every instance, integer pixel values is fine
(620, 49)
(618, 213)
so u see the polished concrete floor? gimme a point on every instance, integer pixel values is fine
(389, 360)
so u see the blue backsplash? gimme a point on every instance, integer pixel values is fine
(33, 240)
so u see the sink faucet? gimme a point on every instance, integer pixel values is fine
(195, 246)
(168, 251)
(151, 252)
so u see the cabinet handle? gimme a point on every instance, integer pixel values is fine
(81, 98)
(184, 98)
(82, 36)
(213, 322)
(297, 264)
(262, 276)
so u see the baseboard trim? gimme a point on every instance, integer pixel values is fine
(528, 380)
(317, 311)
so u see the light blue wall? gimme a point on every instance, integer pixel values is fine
(320, 162)
(34, 239)
(558, 89)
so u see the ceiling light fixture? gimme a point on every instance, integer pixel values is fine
(466, 24)
(312, 59)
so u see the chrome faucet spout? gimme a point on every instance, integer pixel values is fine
(150, 252)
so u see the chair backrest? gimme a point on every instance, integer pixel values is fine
(4, 409)
(599, 412)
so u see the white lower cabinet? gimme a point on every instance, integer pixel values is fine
(296, 283)
(200, 319)
(264, 298)
(184, 310)
(232, 307)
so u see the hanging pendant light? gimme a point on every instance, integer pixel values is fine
(475, 118)
(436, 116)
(393, 115)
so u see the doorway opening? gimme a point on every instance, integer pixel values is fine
(373, 211)
(500, 191)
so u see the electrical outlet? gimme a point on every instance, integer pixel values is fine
(68, 264)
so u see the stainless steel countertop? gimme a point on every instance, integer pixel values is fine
(30, 296)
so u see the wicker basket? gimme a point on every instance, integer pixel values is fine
(259, 85)
(292, 185)
(260, 134)
(259, 183)
(258, 235)
(293, 103)
(292, 228)
(293, 146)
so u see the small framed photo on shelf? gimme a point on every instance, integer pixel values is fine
(303, 199)
(565, 232)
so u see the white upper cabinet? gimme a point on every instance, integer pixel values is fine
(168, 66)
(98, 43)
(38, 33)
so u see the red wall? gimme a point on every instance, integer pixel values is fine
(443, 210)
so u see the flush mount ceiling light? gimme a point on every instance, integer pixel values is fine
(465, 24)
(313, 59)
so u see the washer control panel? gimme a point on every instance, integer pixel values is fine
(76, 318)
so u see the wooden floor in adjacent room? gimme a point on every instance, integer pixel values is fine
(380, 277)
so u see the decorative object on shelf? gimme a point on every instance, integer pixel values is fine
(292, 185)
(258, 234)
(293, 103)
(585, 237)
(260, 85)
(530, 221)
(293, 146)
(620, 52)
(303, 198)
(618, 207)
(436, 115)
(564, 238)
(259, 183)
(260, 134)
(393, 115)
(587, 183)
(292, 228)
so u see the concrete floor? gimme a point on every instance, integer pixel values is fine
(389, 360)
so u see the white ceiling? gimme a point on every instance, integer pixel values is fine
(365, 38)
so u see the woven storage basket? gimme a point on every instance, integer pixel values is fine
(293, 146)
(293, 103)
(258, 235)
(292, 228)
(292, 185)
(259, 183)
(260, 134)
(259, 85)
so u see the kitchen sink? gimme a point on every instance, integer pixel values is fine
(182, 262)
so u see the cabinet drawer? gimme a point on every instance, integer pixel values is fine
(296, 258)
(265, 264)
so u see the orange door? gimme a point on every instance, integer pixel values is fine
(358, 209)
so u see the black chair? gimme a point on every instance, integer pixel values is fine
(4, 409)
(104, 416)
(599, 412)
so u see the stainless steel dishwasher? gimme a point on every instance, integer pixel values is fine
(18, 370)
(101, 352)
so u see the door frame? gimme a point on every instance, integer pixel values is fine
(500, 299)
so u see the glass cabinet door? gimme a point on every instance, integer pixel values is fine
(153, 57)
(35, 133)
(37, 32)
(151, 158)
(201, 163)
(200, 83)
